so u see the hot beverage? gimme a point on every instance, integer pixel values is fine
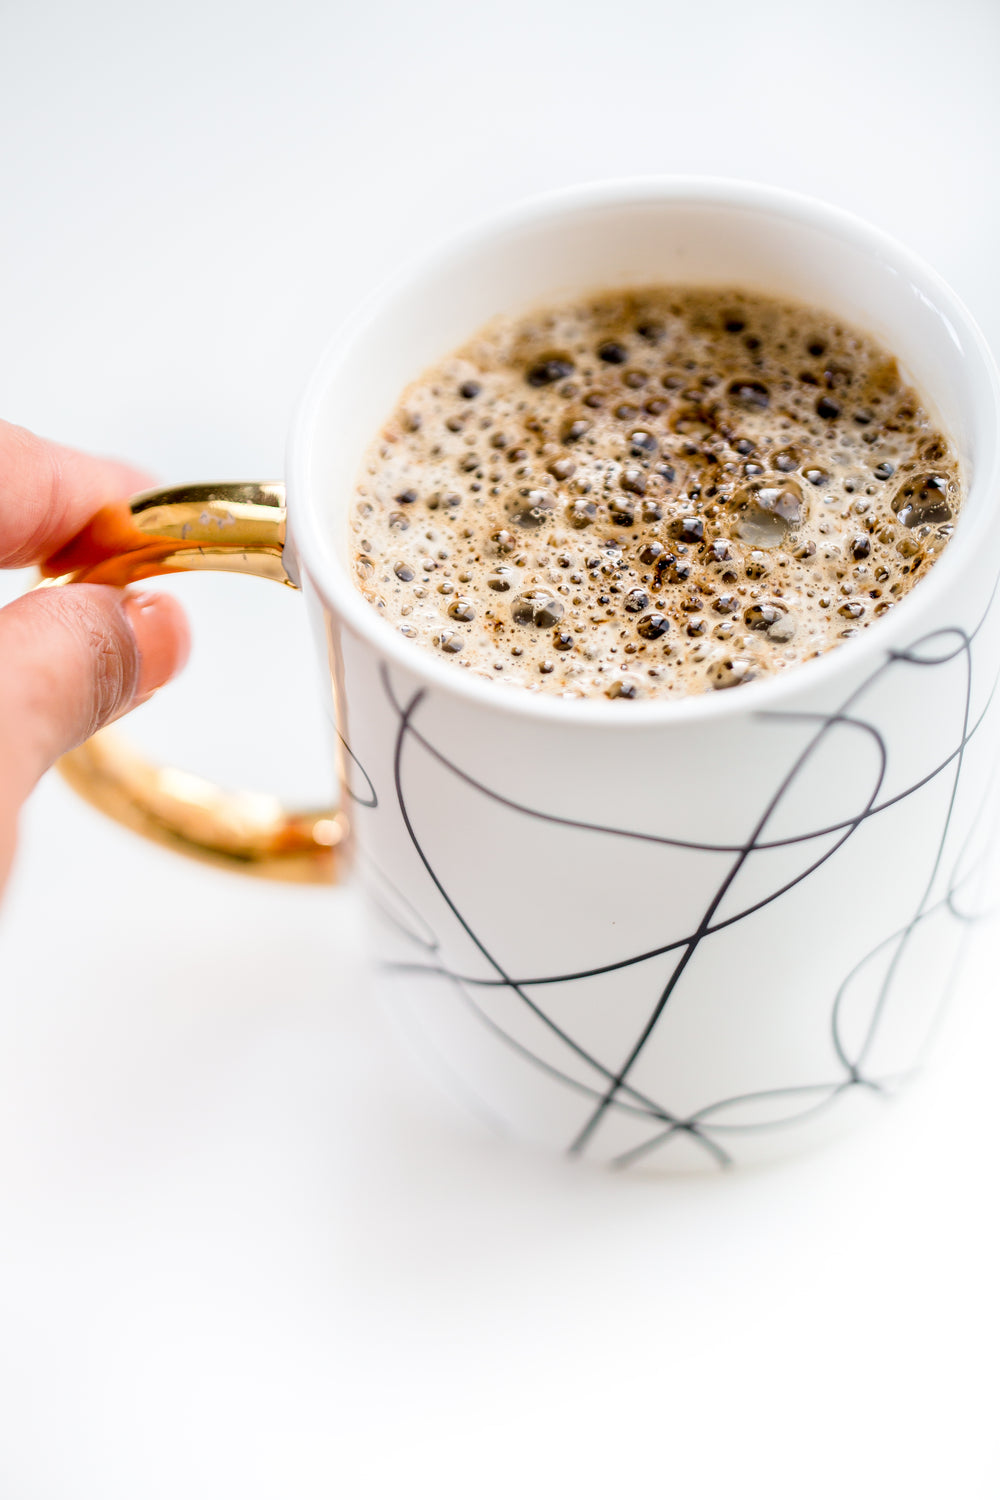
(652, 493)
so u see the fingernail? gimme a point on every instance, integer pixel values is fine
(161, 634)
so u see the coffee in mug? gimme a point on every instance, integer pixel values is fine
(652, 492)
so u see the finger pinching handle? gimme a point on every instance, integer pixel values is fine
(223, 528)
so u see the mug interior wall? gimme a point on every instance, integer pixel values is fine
(566, 251)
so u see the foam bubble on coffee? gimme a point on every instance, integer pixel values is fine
(652, 493)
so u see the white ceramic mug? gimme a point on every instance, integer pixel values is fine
(660, 934)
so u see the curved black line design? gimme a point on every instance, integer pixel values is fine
(371, 800)
(704, 927)
(709, 848)
(890, 975)
(610, 1089)
(832, 1092)
(405, 715)
(649, 1112)
(849, 824)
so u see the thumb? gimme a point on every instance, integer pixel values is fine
(71, 660)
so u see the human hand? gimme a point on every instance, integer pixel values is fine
(71, 659)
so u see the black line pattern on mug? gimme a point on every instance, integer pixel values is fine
(614, 1090)
(371, 798)
(847, 825)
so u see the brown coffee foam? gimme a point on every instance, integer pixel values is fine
(652, 493)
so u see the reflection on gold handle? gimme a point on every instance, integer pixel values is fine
(225, 528)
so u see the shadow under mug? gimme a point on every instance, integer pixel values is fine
(659, 935)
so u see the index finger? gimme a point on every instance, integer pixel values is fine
(48, 492)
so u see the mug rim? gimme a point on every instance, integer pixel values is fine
(312, 546)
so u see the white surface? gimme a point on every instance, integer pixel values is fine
(243, 1251)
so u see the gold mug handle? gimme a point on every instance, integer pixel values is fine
(222, 528)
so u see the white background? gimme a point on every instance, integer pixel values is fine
(244, 1250)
